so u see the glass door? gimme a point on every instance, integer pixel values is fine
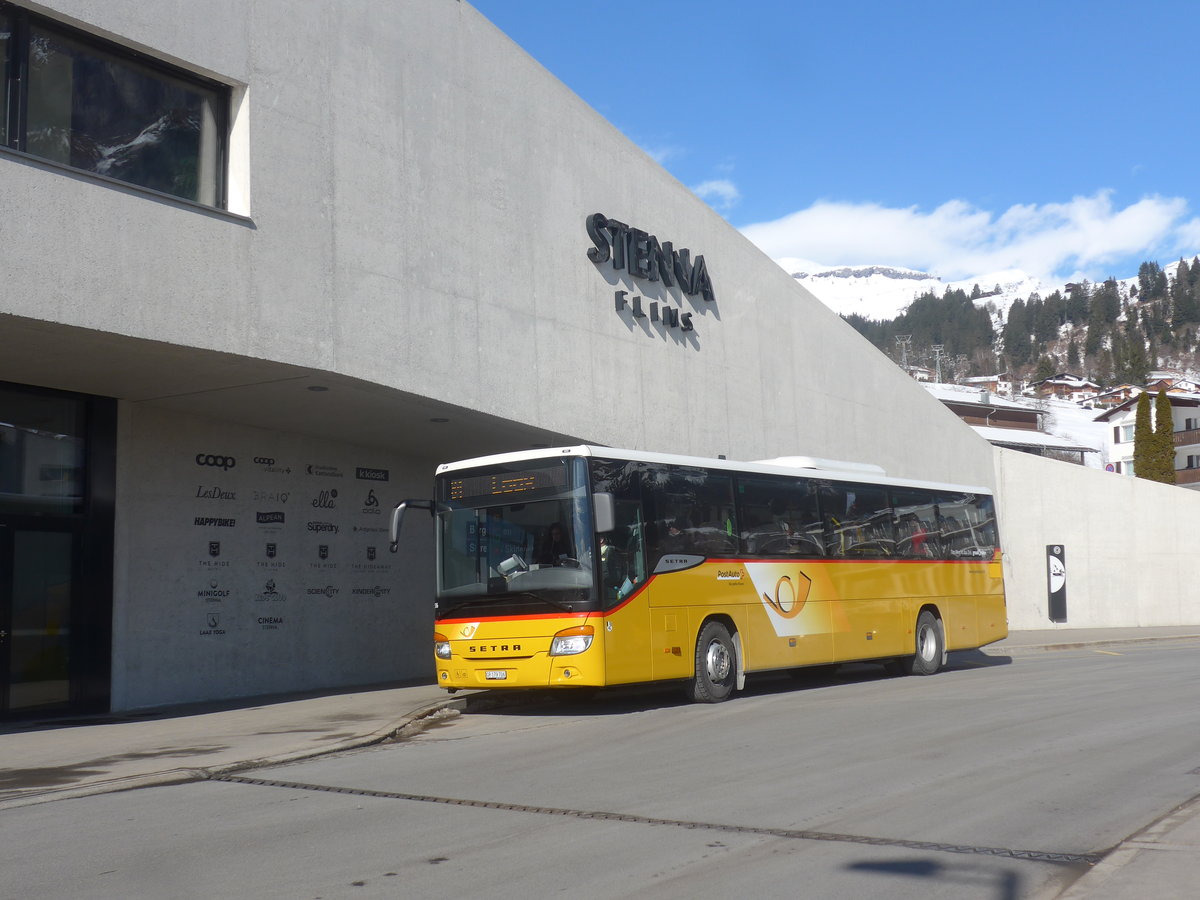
(38, 587)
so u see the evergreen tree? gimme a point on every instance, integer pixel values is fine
(1143, 438)
(1164, 438)
(1152, 282)
(1184, 308)
(1072, 355)
(1045, 369)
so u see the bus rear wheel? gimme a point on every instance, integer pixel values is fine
(930, 646)
(716, 665)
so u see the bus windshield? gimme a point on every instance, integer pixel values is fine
(515, 531)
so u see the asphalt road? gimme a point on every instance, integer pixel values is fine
(1000, 778)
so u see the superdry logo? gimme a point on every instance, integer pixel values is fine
(269, 518)
(322, 526)
(212, 522)
(363, 474)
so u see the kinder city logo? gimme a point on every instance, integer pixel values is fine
(376, 591)
(225, 463)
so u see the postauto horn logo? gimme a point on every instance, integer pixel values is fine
(217, 462)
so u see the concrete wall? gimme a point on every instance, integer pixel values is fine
(418, 188)
(191, 624)
(1130, 545)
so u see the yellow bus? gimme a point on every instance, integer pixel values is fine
(584, 567)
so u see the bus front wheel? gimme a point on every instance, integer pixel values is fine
(716, 665)
(930, 645)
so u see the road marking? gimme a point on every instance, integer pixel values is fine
(793, 833)
(1108, 652)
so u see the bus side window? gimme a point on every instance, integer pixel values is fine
(834, 503)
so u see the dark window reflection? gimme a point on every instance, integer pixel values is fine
(41, 452)
(5, 40)
(96, 111)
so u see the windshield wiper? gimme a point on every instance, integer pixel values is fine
(492, 599)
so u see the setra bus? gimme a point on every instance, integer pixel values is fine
(591, 566)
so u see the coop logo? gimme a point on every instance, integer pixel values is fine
(376, 591)
(224, 463)
(269, 464)
(213, 522)
(321, 527)
(328, 591)
(269, 518)
(364, 474)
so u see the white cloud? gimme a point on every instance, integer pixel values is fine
(719, 193)
(663, 152)
(957, 240)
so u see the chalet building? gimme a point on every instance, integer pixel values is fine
(997, 384)
(1064, 386)
(1185, 424)
(1115, 396)
(1004, 423)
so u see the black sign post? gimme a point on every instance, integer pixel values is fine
(1056, 581)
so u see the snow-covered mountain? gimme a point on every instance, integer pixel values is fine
(883, 292)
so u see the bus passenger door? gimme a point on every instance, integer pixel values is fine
(623, 583)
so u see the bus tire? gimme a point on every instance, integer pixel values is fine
(928, 658)
(716, 665)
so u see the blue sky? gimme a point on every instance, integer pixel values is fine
(960, 138)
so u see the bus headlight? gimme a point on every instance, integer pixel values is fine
(441, 646)
(570, 641)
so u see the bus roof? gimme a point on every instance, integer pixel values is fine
(787, 465)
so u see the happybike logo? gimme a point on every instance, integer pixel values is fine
(225, 463)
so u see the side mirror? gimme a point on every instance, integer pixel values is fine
(605, 510)
(398, 519)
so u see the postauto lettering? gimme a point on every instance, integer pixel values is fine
(219, 462)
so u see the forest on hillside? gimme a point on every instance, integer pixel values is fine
(1108, 332)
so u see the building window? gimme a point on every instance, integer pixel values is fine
(1126, 434)
(83, 102)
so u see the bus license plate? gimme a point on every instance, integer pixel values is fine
(496, 674)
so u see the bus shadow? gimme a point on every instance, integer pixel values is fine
(638, 698)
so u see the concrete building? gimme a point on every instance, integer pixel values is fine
(253, 295)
